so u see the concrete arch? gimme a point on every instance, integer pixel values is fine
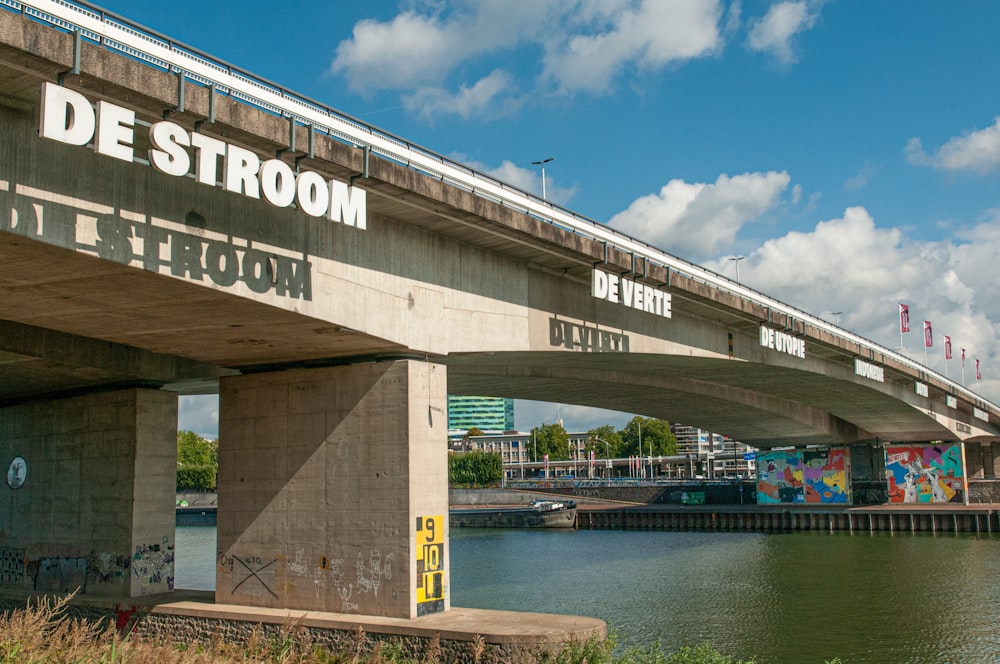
(759, 404)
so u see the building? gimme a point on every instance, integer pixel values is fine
(521, 458)
(700, 453)
(488, 414)
(711, 455)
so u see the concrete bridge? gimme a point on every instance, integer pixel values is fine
(170, 224)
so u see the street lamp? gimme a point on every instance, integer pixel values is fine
(542, 164)
(735, 259)
(836, 317)
(607, 454)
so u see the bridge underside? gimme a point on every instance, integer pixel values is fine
(763, 406)
(176, 333)
(60, 331)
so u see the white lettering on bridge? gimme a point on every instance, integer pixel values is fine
(782, 342)
(634, 294)
(67, 117)
(869, 371)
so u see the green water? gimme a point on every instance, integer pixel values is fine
(786, 599)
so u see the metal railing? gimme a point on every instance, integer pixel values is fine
(137, 41)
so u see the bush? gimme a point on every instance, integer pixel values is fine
(475, 468)
(196, 478)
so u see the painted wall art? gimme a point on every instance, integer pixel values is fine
(926, 473)
(813, 476)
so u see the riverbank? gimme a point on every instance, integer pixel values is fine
(596, 513)
(44, 632)
(56, 629)
(193, 617)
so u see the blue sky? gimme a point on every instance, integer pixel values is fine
(849, 150)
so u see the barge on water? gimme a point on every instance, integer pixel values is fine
(536, 514)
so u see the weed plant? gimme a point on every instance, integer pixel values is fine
(44, 633)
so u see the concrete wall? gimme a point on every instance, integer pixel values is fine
(95, 510)
(330, 482)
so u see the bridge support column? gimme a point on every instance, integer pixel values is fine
(976, 461)
(994, 456)
(88, 497)
(333, 489)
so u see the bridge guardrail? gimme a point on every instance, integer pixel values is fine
(135, 40)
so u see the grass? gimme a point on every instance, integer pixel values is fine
(43, 633)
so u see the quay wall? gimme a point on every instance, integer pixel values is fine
(362, 639)
(863, 492)
(959, 519)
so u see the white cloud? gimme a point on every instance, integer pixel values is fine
(977, 151)
(851, 266)
(863, 177)
(199, 413)
(526, 179)
(649, 36)
(416, 50)
(695, 220)
(773, 32)
(488, 97)
(411, 49)
(582, 45)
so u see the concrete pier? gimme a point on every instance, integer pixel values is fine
(333, 490)
(89, 507)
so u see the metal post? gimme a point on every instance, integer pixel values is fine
(542, 164)
(737, 259)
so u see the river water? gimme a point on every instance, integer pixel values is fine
(784, 598)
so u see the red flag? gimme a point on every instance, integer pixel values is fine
(928, 335)
(904, 318)
(947, 347)
(963, 357)
(978, 375)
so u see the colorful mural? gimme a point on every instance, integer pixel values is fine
(926, 473)
(802, 476)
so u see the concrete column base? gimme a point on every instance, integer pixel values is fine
(88, 501)
(333, 490)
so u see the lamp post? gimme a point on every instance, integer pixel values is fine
(542, 164)
(735, 259)
(607, 454)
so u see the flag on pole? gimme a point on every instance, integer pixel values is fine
(978, 375)
(928, 335)
(947, 347)
(963, 358)
(904, 318)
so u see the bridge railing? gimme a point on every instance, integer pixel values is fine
(137, 41)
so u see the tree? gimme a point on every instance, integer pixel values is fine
(197, 462)
(657, 438)
(610, 444)
(475, 468)
(550, 439)
(474, 431)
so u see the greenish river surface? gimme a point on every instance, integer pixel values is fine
(785, 599)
